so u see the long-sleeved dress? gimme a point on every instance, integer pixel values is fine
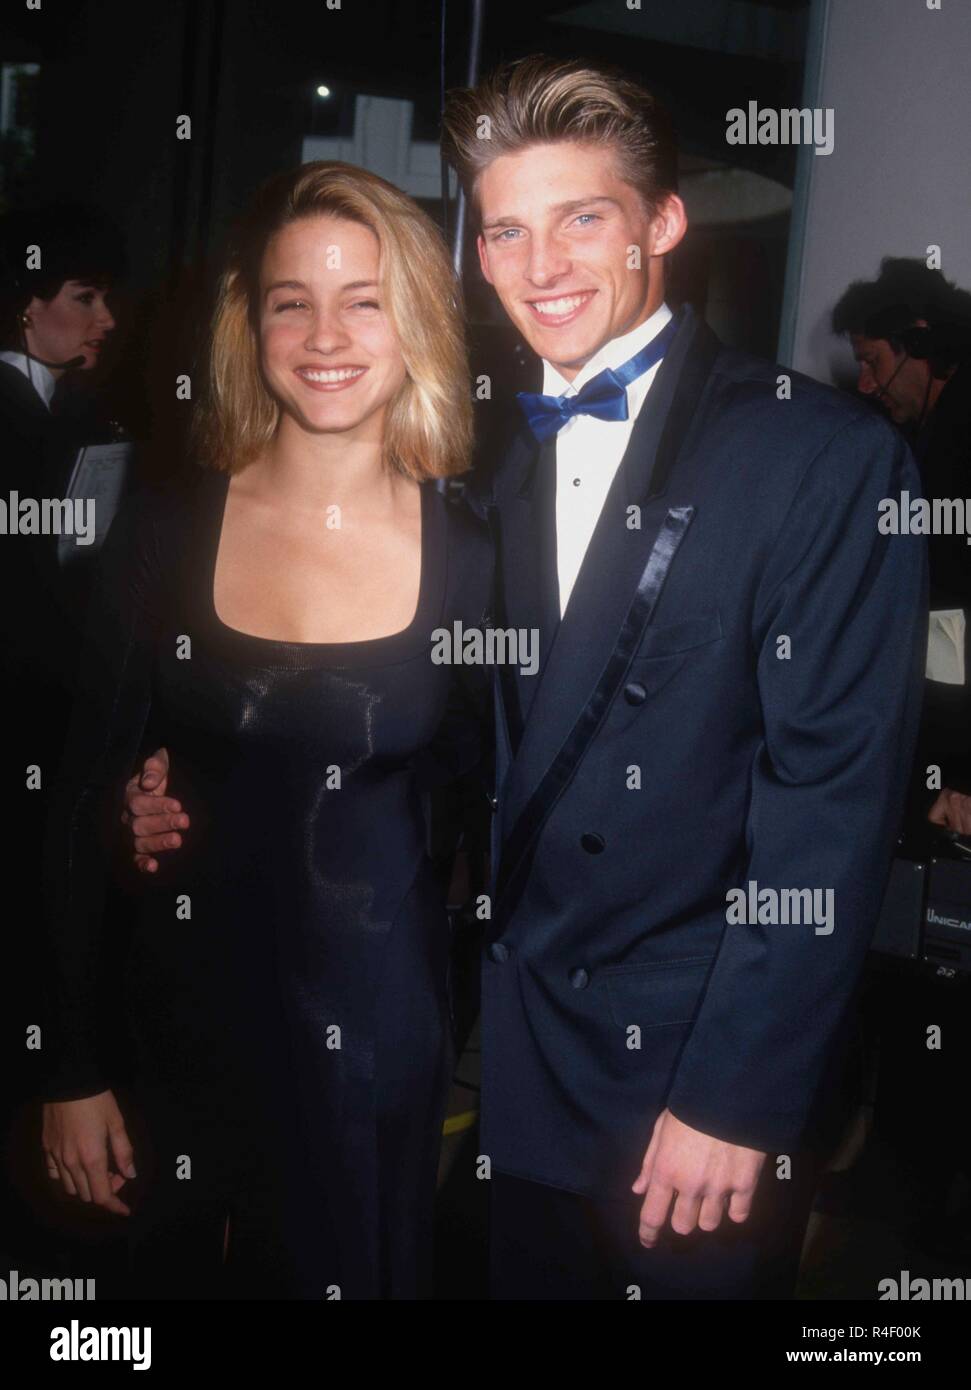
(285, 982)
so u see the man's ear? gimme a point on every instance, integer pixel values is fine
(668, 226)
(483, 259)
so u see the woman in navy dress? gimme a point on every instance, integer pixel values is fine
(272, 625)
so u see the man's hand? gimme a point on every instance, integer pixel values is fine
(953, 811)
(702, 1173)
(155, 818)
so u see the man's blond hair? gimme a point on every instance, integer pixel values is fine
(542, 100)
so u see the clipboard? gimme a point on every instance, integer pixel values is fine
(945, 646)
(99, 476)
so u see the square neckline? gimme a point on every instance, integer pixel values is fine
(403, 639)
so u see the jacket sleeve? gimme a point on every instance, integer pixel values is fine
(840, 716)
(111, 706)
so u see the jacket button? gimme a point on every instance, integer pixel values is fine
(579, 978)
(493, 802)
(498, 952)
(593, 843)
(635, 694)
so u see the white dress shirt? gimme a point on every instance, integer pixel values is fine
(589, 451)
(35, 372)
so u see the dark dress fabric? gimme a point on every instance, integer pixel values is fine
(286, 977)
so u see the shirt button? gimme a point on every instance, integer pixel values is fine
(498, 952)
(593, 843)
(635, 694)
(576, 482)
(579, 978)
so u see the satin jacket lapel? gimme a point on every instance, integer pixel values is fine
(613, 599)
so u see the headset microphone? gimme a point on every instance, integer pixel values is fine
(882, 388)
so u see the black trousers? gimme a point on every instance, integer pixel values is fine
(547, 1243)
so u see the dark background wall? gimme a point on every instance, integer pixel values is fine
(115, 76)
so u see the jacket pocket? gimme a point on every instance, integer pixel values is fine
(659, 994)
(667, 639)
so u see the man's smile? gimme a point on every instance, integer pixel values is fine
(554, 312)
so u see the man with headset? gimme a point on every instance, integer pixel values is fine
(911, 335)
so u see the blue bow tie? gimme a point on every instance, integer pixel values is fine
(604, 396)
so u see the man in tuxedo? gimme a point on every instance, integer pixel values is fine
(722, 720)
(727, 699)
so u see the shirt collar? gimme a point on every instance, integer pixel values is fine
(36, 373)
(612, 354)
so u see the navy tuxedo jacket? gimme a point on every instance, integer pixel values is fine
(671, 748)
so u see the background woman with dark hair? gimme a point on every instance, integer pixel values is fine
(58, 266)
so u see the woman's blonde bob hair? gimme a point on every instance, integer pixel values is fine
(428, 430)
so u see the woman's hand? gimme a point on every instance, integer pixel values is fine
(79, 1137)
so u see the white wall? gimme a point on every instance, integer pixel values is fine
(382, 143)
(898, 76)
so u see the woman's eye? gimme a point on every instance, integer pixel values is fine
(365, 304)
(86, 298)
(289, 304)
